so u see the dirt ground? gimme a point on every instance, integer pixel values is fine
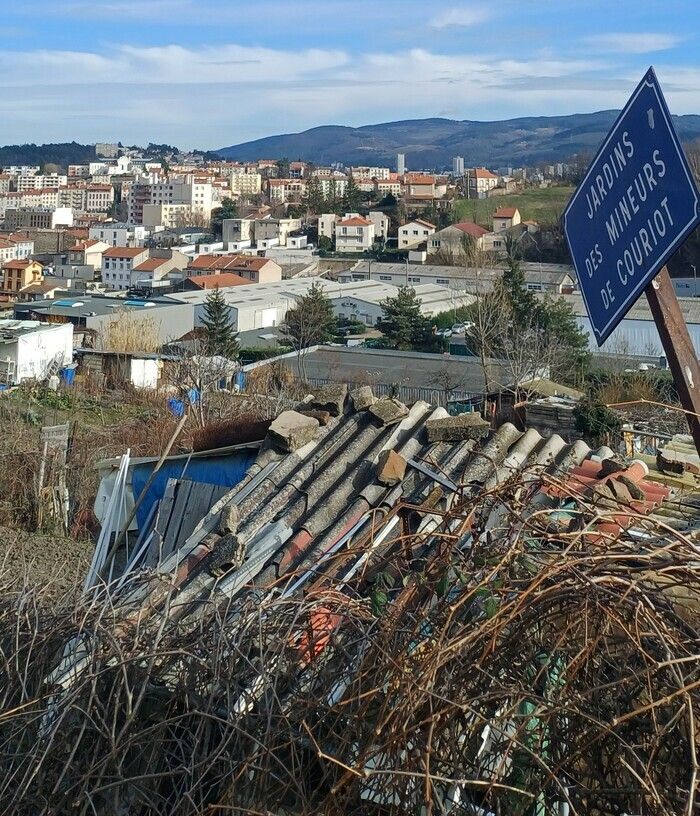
(57, 565)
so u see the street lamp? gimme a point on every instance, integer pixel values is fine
(695, 280)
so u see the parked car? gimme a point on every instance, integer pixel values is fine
(444, 333)
(458, 328)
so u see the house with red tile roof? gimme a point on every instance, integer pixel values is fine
(504, 218)
(480, 181)
(197, 283)
(450, 241)
(249, 267)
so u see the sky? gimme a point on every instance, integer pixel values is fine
(217, 73)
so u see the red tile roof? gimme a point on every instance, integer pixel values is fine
(19, 264)
(505, 212)
(222, 280)
(418, 178)
(150, 264)
(472, 229)
(482, 172)
(355, 222)
(224, 262)
(124, 252)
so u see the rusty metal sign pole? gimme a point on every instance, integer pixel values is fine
(679, 349)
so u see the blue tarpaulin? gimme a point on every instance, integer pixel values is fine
(225, 470)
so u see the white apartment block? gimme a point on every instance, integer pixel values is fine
(333, 186)
(354, 234)
(381, 224)
(117, 264)
(415, 233)
(119, 235)
(370, 172)
(52, 181)
(246, 184)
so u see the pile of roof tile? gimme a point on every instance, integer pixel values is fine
(389, 614)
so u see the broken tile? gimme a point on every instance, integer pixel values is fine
(388, 411)
(457, 428)
(329, 398)
(292, 430)
(391, 468)
(362, 397)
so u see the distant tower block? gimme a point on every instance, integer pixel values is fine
(458, 166)
(401, 163)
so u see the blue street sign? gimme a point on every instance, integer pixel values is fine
(633, 210)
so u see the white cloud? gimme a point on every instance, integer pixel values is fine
(217, 95)
(460, 17)
(633, 43)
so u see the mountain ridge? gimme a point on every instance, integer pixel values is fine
(432, 142)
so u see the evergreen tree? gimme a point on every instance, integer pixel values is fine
(219, 337)
(312, 200)
(353, 197)
(228, 209)
(402, 323)
(312, 320)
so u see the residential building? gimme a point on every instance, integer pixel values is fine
(298, 169)
(38, 218)
(450, 241)
(274, 231)
(415, 233)
(5, 183)
(458, 166)
(255, 270)
(78, 171)
(20, 273)
(223, 280)
(46, 290)
(117, 264)
(239, 231)
(480, 181)
(284, 191)
(354, 234)
(15, 247)
(389, 186)
(88, 253)
(139, 196)
(156, 267)
(46, 182)
(505, 218)
(326, 225)
(169, 216)
(100, 198)
(381, 224)
(370, 172)
(335, 186)
(246, 184)
(401, 163)
(74, 197)
(119, 235)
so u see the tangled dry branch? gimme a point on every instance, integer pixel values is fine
(512, 660)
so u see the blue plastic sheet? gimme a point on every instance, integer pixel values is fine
(226, 470)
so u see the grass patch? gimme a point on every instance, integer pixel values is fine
(542, 205)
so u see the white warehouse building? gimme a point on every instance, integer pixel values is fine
(264, 305)
(636, 335)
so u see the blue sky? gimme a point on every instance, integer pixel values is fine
(210, 74)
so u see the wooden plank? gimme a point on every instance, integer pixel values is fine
(171, 534)
(199, 504)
